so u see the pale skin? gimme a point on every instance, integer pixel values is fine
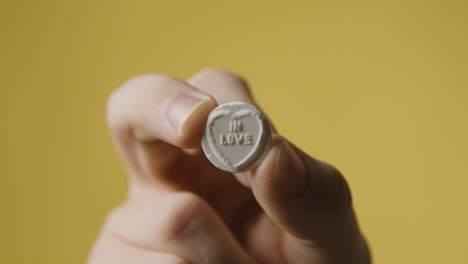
(292, 208)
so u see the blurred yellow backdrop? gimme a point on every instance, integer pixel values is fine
(384, 85)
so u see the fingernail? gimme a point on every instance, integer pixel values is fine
(290, 173)
(182, 107)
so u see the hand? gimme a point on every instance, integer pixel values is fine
(292, 208)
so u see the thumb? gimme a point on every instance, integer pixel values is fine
(309, 199)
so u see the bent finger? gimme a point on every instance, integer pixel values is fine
(178, 223)
(151, 117)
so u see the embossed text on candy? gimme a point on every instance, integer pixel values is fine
(235, 137)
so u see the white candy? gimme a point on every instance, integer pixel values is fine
(237, 137)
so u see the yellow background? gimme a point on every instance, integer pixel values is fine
(378, 88)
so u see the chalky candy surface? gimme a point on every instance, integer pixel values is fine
(237, 137)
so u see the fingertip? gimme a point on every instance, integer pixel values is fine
(268, 165)
(191, 124)
(289, 177)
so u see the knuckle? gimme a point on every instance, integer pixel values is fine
(113, 111)
(147, 80)
(177, 217)
(113, 219)
(215, 71)
(172, 259)
(332, 190)
(222, 75)
(188, 213)
(130, 94)
(342, 192)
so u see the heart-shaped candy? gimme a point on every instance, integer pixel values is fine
(236, 137)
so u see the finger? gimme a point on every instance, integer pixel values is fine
(223, 85)
(177, 223)
(151, 117)
(308, 199)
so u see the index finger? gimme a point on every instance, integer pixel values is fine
(151, 117)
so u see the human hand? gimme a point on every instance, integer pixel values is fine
(292, 208)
